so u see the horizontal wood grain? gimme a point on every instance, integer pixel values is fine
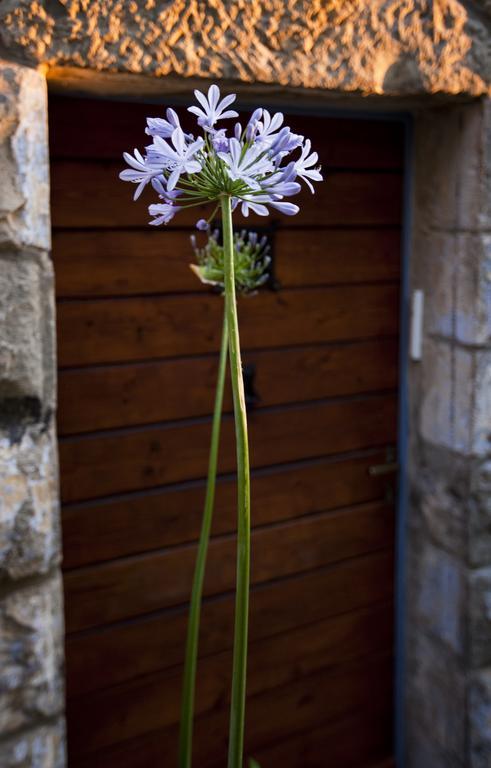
(329, 695)
(119, 330)
(103, 530)
(133, 586)
(298, 749)
(124, 711)
(100, 658)
(100, 199)
(128, 460)
(142, 393)
(113, 263)
(358, 741)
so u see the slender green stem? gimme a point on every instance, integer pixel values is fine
(237, 711)
(189, 682)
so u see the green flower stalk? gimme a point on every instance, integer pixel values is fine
(237, 708)
(253, 168)
(191, 657)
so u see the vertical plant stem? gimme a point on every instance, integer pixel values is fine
(237, 711)
(191, 658)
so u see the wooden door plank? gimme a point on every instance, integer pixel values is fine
(372, 727)
(114, 263)
(137, 585)
(142, 393)
(330, 694)
(100, 465)
(104, 530)
(122, 712)
(100, 199)
(129, 329)
(104, 657)
(350, 743)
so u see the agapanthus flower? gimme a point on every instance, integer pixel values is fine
(257, 166)
(303, 166)
(157, 126)
(212, 109)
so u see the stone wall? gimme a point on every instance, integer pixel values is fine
(449, 545)
(31, 613)
(383, 46)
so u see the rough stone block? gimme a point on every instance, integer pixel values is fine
(480, 617)
(24, 169)
(436, 409)
(31, 653)
(479, 505)
(435, 693)
(480, 719)
(464, 421)
(439, 512)
(481, 416)
(422, 752)
(43, 747)
(439, 597)
(455, 411)
(29, 510)
(473, 289)
(433, 271)
(373, 47)
(27, 337)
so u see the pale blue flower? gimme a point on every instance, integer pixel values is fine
(202, 225)
(141, 172)
(212, 109)
(181, 157)
(258, 204)
(284, 143)
(253, 124)
(164, 212)
(220, 141)
(245, 165)
(303, 166)
(157, 126)
(268, 127)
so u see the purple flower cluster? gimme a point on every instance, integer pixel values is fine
(254, 165)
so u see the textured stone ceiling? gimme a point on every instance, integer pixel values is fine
(371, 46)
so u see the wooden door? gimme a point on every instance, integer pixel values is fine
(137, 348)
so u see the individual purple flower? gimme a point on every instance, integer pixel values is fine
(284, 143)
(245, 164)
(220, 141)
(304, 163)
(212, 109)
(258, 204)
(253, 124)
(279, 189)
(158, 183)
(157, 126)
(202, 225)
(163, 212)
(141, 171)
(268, 127)
(181, 157)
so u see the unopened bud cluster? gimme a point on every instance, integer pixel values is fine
(251, 261)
